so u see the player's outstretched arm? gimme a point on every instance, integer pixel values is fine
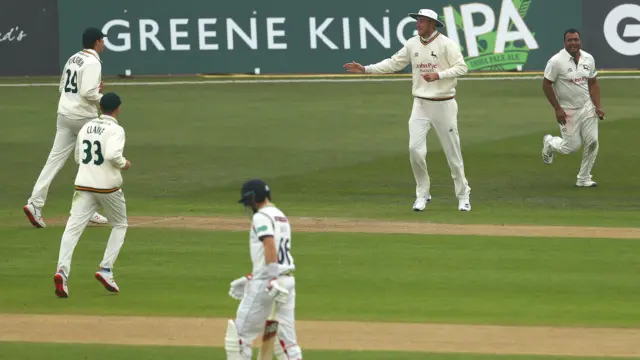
(397, 62)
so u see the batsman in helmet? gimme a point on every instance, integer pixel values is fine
(267, 295)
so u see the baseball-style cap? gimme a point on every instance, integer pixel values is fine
(110, 102)
(90, 36)
(428, 13)
(254, 190)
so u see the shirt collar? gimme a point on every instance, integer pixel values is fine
(92, 52)
(108, 117)
(571, 57)
(434, 34)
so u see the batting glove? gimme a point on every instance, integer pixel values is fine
(277, 291)
(238, 286)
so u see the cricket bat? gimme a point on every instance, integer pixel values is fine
(269, 336)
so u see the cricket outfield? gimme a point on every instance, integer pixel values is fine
(538, 267)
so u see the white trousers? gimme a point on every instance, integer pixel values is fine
(255, 308)
(63, 145)
(443, 117)
(83, 207)
(581, 130)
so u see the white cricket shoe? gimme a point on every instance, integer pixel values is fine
(587, 183)
(547, 152)
(421, 203)
(105, 276)
(98, 219)
(35, 215)
(60, 283)
(464, 205)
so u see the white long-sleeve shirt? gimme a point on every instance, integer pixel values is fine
(80, 86)
(438, 54)
(99, 155)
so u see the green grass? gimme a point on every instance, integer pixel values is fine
(446, 279)
(335, 149)
(35, 351)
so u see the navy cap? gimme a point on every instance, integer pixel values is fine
(110, 102)
(254, 190)
(90, 36)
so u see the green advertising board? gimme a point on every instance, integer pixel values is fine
(290, 36)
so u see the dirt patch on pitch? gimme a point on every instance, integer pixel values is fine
(324, 335)
(306, 224)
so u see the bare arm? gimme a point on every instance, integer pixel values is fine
(547, 87)
(594, 92)
(270, 253)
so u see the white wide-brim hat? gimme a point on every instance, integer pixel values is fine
(428, 14)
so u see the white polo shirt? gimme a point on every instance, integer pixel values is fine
(570, 81)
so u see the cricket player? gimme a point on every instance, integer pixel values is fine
(98, 153)
(80, 93)
(571, 86)
(437, 62)
(270, 286)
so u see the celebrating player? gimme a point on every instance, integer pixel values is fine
(99, 156)
(437, 62)
(270, 288)
(80, 93)
(571, 86)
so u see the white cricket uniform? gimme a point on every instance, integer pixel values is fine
(434, 105)
(255, 307)
(99, 155)
(571, 86)
(79, 98)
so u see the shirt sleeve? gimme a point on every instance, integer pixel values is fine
(262, 225)
(456, 60)
(550, 72)
(397, 62)
(593, 73)
(115, 148)
(90, 83)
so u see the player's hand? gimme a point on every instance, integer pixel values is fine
(101, 87)
(561, 116)
(600, 114)
(354, 67)
(431, 77)
(277, 291)
(238, 286)
(126, 166)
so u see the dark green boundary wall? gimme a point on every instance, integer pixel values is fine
(150, 37)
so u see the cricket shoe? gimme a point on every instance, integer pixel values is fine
(421, 203)
(98, 219)
(105, 276)
(464, 205)
(547, 152)
(586, 183)
(35, 215)
(60, 283)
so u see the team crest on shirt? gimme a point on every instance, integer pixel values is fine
(415, 55)
(570, 70)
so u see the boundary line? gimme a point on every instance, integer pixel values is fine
(290, 81)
